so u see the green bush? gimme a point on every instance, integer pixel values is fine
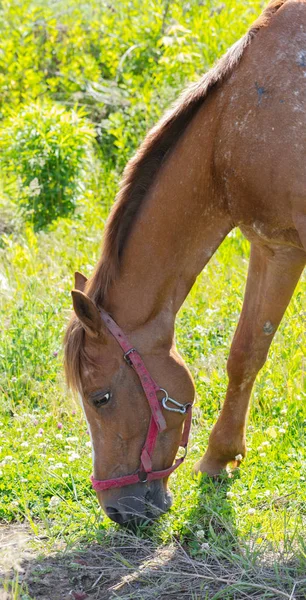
(43, 149)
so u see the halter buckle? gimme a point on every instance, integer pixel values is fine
(127, 358)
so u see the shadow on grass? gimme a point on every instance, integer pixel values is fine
(206, 562)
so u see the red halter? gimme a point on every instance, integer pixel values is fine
(157, 421)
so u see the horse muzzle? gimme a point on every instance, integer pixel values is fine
(136, 504)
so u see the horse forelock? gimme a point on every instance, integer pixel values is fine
(73, 345)
(76, 359)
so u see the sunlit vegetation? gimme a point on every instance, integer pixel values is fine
(80, 84)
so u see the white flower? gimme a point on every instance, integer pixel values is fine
(54, 502)
(88, 444)
(205, 546)
(34, 187)
(6, 460)
(72, 439)
(59, 436)
(73, 456)
(239, 457)
(24, 444)
(251, 511)
(200, 533)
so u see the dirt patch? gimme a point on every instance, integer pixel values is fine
(126, 567)
(14, 547)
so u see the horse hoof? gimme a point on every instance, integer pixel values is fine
(210, 467)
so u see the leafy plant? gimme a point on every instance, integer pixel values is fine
(44, 149)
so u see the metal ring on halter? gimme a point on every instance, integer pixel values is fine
(143, 476)
(185, 451)
(182, 408)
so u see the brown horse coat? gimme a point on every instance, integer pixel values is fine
(231, 153)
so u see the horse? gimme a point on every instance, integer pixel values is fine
(230, 153)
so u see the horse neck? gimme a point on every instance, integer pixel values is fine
(182, 221)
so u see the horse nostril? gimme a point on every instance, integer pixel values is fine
(114, 515)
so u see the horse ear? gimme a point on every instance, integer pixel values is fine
(87, 313)
(79, 281)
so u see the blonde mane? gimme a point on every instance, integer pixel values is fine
(137, 178)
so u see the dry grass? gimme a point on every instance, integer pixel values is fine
(128, 567)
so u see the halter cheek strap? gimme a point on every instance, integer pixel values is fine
(157, 422)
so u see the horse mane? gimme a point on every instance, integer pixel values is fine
(137, 178)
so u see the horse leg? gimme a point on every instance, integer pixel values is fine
(272, 277)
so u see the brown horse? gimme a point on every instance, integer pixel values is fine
(230, 153)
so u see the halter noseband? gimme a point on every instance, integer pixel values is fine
(157, 421)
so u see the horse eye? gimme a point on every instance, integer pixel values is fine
(99, 400)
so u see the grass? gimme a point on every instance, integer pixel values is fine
(46, 457)
(247, 532)
(126, 566)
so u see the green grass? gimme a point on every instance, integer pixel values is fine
(44, 443)
(45, 457)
